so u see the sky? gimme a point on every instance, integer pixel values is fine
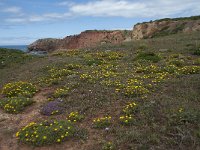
(24, 21)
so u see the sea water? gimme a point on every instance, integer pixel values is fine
(23, 48)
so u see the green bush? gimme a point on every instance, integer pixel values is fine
(108, 146)
(150, 56)
(102, 122)
(20, 88)
(46, 133)
(15, 105)
(9, 57)
(75, 117)
(61, 92)
(183, 116)
(197, 51)
(177, 63)
(91, 62)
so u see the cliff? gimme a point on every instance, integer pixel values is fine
(86, 39)
(165, 27)
(92, 38)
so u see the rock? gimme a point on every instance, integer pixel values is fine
(165, 27)
(86, 39)
(48, 44)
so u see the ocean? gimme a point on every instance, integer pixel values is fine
(18, 47)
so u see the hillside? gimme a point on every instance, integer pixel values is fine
(86, 39)
(165, 27)
(145, 30)
(134, 95)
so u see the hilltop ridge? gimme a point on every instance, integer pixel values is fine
(92, 38)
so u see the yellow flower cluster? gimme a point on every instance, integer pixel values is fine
(75, 116)
(147, 69)
(85, 76)
(109, 55)
(60, 92)
(15, 105)
(126, 120)
(108, 146)
(189, 70)
(130, 108)
(68, 53)
(135, 87)
(73, 66)
(159, 77)
(57, 74)
(102, 122)
(47, 132)
(20, 88)
(105, 56)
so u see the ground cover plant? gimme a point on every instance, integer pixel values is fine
(15, 105)
(20, 88)
(47, 132)
(124, 96)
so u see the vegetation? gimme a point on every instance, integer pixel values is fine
(9, 58)
(15, 89)
(75, 116)
(149, 56)
(136, 95)
(47, 132)
(177, 19)
(102, 122)
(15, 105)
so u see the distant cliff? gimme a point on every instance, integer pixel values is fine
(92, 38)
(165, 27)
(86, 39)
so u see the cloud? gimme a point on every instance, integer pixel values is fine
(15, 20)
(12, 9)
(38, 18)
(66, 3)
(111, 8)
(135, 9)
(17, 40)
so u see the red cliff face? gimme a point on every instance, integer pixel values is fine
(84, 40)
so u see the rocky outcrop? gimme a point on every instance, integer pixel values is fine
(90, 38)
(48, 44)
(165, 27)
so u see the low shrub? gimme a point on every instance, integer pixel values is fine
(177, 63)
(150, 56)
(46, 133)
(197, 51)
(130, 108)
(53, 108)
(108, 146)
(127, 120)
(20, 88)
(102, 122)
(61, 92)
(75, 116)
(135, 87)
(15, 105)
(91, 62)
(183, 116)
(189, 70)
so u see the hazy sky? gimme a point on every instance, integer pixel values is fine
(24, 21)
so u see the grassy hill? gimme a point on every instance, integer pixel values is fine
(136, 95)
